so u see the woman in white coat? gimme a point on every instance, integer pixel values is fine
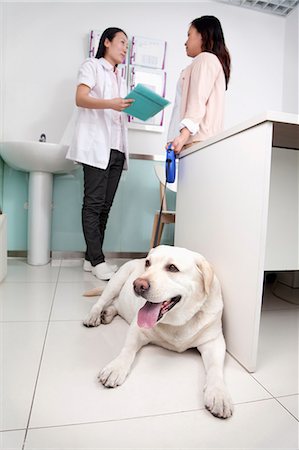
(100, 142)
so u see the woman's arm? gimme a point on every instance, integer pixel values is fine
(179, 141)
(84, 100)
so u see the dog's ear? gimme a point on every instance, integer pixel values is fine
(207, 274)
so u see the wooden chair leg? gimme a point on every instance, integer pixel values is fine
(160, 233)
(155, 225)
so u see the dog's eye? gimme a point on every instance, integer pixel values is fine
(172, 268)
(147, 263)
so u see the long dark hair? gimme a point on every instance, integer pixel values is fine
(213, 41)
(109, 33)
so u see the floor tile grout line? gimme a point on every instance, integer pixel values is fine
(126, 419)
(41, 360)
(25, 321)
(266, 389)
(12, 430)
(276, 397)
(288, 395)
(146, 416)
(170, 413)
(259, 382)
(287, 410)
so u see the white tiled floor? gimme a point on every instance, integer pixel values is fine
(51, 398)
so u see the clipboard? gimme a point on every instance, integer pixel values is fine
(147, 103)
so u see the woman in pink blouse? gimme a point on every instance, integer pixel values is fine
(199, 105)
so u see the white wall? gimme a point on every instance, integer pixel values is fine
(44, 44)
(291, 73)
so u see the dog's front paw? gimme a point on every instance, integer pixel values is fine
(218, 402)
(114, 374)
(94, 318)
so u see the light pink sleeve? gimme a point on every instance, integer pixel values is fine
(203, 76)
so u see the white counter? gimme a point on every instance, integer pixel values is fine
(238, 205)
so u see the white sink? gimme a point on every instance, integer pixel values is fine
(33, 156)
(41, 160)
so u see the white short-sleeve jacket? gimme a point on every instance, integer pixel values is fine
(91, 143)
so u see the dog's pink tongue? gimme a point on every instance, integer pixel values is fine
(148, 315)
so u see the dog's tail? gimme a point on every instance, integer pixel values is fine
(94, 292)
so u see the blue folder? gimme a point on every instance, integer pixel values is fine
(147, 103)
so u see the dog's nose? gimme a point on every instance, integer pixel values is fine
(141, 286)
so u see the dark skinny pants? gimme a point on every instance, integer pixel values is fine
(100, 186)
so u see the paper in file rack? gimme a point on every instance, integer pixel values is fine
(148, 52)
(147, 103)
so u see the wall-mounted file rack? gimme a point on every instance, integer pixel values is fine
(153, 79)
(144, 63)
(147, 52)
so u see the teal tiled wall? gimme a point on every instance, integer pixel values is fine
(131, 217)
(15, 198)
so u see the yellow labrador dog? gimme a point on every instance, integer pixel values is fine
(171, 298)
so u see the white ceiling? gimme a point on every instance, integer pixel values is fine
(278, 7)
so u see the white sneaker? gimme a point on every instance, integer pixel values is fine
(113, 267)
(87, 267)
(102, 271)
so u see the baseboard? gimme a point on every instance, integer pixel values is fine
(78, 255)
(17, 253)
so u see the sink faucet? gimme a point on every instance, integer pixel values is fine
(42, 138)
